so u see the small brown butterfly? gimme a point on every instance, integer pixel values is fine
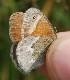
(31, 34)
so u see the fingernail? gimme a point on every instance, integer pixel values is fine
(58, 59)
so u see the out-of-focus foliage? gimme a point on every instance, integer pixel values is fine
(58, 12)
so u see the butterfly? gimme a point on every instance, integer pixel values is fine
(31, 34)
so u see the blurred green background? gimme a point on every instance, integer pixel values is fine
(57, 11)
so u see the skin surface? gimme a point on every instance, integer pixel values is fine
(61, 59)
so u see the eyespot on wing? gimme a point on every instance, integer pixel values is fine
(44, 28)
